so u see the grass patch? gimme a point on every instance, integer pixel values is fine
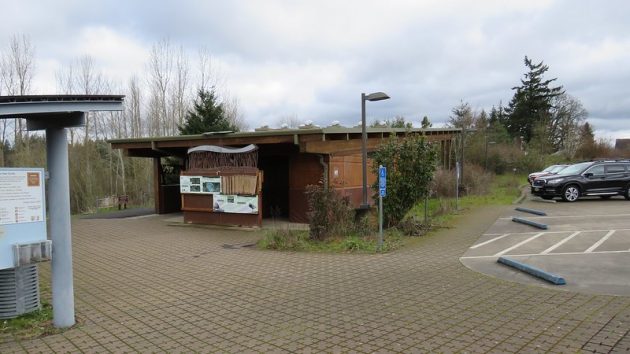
(299, 240)
(504, 189)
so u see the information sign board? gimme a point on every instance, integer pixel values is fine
(22, 210)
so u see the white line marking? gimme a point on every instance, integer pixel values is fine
(556, 232)
(546, 255)
(519, 244)
(487, 242)
(599, 243)
(564, 240)
(570, 216)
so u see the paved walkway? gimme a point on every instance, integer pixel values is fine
(143, 286)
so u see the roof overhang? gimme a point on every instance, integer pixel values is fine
(45, 111)
(331, 140)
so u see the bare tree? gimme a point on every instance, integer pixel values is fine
(290, 121)
(180, 93)
(17, 67)
(133, 103)
(568, 115)
(160, 70)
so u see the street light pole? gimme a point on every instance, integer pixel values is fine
(376, 96)
(364, 203)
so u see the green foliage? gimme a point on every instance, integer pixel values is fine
(329, 213)
(96, 171)
(532, 101)
(299, 240)
(503, 190)
(400, 122)
(410, 163)
(426, 123)
(207, 115)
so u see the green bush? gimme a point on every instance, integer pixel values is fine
(329, 214)
(410, 163)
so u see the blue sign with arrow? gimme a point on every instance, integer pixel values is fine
(382, 180)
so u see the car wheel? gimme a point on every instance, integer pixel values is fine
(627, 194)
(570, 193)
(547, 197)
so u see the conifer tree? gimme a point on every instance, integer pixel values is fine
(532, 101)
(207, 115)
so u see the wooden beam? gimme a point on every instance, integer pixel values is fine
(337, 146)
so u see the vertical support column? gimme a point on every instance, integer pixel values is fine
(157, 185)
(60, 230)
(364, 196)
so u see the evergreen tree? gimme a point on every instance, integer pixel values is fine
(399, 122)
(462, 116)
(532, 101)
(207, 115)
(426, 123)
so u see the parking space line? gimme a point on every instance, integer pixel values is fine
(487, 242)
(570, 216)
(563, 241)
(519, 244)
(548, 254)
(556, 232)
(601, 240)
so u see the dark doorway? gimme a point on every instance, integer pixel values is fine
(275, 189)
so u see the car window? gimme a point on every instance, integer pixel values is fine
(596, 170)
(615, 169)
(549, 169)
(575, 169)
(557, 168)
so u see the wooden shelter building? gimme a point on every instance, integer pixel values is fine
(288, 160)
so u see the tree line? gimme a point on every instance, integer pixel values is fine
(158, 102)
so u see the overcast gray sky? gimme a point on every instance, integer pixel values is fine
(314, 58)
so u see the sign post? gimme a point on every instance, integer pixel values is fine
(457, 174)
(382, 192)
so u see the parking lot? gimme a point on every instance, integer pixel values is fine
(587, 243)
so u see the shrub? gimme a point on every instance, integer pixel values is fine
(329, 213)
(443, 183)
(284, 239)
(476, 181)
(410, 163)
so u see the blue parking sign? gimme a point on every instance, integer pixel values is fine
(382, 180)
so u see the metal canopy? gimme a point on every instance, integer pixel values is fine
(55, 113)
(45, 111)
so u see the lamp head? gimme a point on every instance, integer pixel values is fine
(377, 96)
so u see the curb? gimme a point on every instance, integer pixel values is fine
(531, 270)
(530, 223)
(531, 211)
(521, 197)
(540, 200)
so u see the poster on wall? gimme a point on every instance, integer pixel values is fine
(21, 197)
(199, 184)
(236, 204)
(22, 211)
(211, 185)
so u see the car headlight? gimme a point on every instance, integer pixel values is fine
(554, 182)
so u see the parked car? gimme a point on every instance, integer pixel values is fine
(551, 170)
(595, 178)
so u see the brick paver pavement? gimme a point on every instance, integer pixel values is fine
(144, 286)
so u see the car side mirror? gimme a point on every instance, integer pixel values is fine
(588, 175)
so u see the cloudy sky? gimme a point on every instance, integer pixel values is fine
(312, 59)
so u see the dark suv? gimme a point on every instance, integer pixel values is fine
(596, 178)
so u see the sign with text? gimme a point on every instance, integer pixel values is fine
(382, 180)
(22, 210)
